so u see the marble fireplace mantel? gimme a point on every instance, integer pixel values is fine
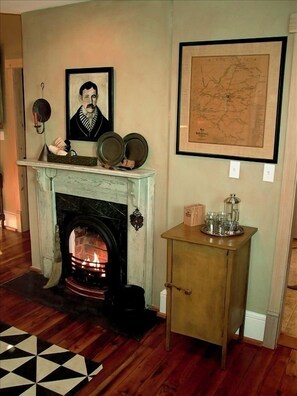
(133, 188)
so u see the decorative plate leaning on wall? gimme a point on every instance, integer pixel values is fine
(128, 153)
(110, 149)
(136, 149)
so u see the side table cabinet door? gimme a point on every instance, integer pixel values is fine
(203, 270)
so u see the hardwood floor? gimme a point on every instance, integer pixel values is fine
(144, 367)
(289, 323)
(288, 335)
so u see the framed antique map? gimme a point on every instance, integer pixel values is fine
(229, 98)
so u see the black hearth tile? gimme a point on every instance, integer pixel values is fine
(59, 358)
(62, 373)
(16, 390)
(43, 391)
(28, 370)
(13, 364)
(63, 386)
(83, 366)
(28, 344)
(33, 345)
(78, 364)
(42, 345)
(14, 339)
(11, 330)
(14, 353)
(92, 367)
(2, 372)
(3, 327)
(44, 368)
(12, 380)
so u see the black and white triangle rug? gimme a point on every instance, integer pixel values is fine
(32, 367)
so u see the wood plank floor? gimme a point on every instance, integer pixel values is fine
(144, 367)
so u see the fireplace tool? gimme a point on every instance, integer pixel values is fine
(57, 264)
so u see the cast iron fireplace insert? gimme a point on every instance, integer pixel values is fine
(93, 239)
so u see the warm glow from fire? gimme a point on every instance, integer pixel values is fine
(95, 264)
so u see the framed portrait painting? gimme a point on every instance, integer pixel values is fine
(229, 98)
(89, 103)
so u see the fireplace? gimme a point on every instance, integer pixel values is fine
(93, 236)
(132, 190)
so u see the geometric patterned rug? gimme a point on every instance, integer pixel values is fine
(33, 367)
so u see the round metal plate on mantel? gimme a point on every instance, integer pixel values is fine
(136, 149)
(110, 149)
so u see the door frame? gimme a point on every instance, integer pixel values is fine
(14, 80)
(286, 208)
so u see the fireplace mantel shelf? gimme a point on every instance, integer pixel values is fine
(133, 174)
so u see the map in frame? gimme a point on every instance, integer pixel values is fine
(228, 99)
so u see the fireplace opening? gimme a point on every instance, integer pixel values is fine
(89, 256)
(93, 237)
(93, 258)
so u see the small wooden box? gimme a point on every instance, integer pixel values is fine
(194, 214)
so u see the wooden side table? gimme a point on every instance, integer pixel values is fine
(206, 283)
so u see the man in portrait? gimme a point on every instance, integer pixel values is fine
(88, 123)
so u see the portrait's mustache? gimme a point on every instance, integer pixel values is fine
(90, 106)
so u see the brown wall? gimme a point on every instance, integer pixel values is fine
(10, 36)
(11, 66)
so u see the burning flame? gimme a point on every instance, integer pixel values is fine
(95, 263)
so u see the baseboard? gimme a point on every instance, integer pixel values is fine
(254, 322)
(158, 312)
(10, 220)
(254, 325)
(287, 341)
(272, 327)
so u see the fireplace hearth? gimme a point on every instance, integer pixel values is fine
(134, 189)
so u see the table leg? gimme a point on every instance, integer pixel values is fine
(223, 358)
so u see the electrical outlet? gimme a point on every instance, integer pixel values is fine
(234, 169)
(268, 173)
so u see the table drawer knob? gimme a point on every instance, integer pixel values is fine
(188, 292)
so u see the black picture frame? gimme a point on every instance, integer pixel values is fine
(229, 98)
(103, 77)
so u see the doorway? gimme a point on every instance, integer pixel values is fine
(23, 220)
(14, 148)
(288, 334)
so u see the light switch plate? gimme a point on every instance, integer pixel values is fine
(268, 173)
(234, 169)
(1, 135)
